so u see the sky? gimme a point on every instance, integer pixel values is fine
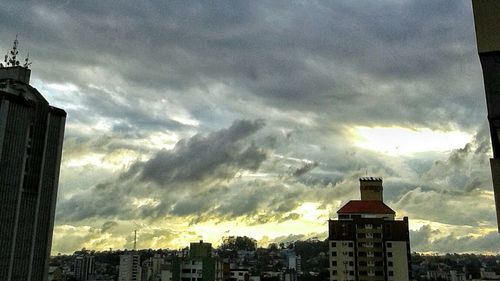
(194, 120)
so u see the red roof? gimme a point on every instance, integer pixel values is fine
(365, 207)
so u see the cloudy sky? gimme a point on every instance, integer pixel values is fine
(195, 120)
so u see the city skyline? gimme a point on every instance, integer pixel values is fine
(192, 121)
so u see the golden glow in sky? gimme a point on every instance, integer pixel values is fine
(400, 141)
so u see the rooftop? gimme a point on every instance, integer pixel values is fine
(365, 207)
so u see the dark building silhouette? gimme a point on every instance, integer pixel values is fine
(486, 17)
(367, 243)
(84, 267)
(31, 137)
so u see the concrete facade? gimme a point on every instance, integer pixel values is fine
(31, 138)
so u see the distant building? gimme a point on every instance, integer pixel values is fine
(198, 266)
(31, 139)
(366, 242)
(84, 267)
(151, 268)
(130, 267)
(55, 273)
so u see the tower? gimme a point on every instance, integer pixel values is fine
(31, 137)
(486, 15)
(367, 243)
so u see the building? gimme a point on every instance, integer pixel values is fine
(84, 267)
(486, 15)
(200, 265)
(31, 138)
(130, 267)
(366, 242)
(152, 267)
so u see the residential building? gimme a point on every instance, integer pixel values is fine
(84, 267)
(130, 267)
(200, 265)
(31, 139)
(366, 242)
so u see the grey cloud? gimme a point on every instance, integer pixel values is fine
(305, 169)
(218, 155)
(427, 239)
(316, 57)
(190, 165)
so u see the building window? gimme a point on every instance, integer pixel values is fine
(334, 263)
(389, 254)
(351, 273)
(334, 254)
(351, 254)
(389, 263)
(334, 244)
(351, 263)
(391, 273)
(350, 245)
(334, 272)
(389, 245)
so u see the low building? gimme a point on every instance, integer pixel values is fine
(199, 265)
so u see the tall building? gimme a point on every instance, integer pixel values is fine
(31, 138)
(130, 267)
(367, 243)
(486, 15)
(84, 267)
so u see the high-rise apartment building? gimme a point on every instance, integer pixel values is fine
(31, 138)
(367, 243)
(130, 267)
(84, 267)
(486, 15)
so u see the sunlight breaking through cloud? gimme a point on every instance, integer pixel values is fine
(402, 141)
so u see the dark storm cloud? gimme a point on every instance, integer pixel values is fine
(219, 155)
(323, 56)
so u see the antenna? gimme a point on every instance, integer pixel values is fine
(27, 62)
(135, 239)
(10, 58)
